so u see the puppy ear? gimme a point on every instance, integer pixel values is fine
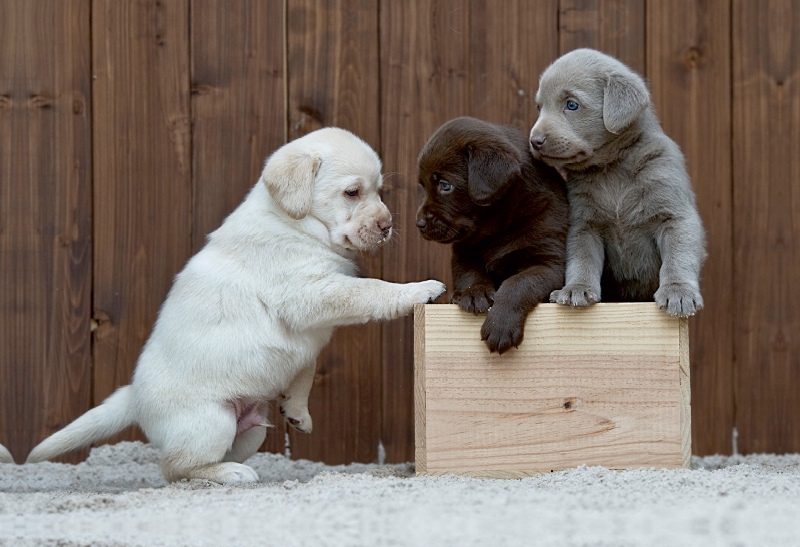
(490, 170)
(625, 97)
(289, 177)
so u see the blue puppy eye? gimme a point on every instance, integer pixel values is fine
(445, 186)
(572, 105)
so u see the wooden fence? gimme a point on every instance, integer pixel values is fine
(130, 128)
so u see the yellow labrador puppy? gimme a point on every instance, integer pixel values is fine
(635, 233)
(248, 315)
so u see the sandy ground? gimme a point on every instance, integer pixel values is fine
(118, 497)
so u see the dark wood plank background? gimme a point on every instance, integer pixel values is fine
(130, 128)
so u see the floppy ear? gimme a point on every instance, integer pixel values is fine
(490, 170)
(289, 177)
(624, 99)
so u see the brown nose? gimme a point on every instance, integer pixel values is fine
(537, 141)
(385, 225)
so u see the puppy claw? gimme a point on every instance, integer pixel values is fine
(476, 299)
(575, 296)
(679, 299)
(503, 332)
(426, 292)
(298, 419)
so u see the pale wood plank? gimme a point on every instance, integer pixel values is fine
(595, 386)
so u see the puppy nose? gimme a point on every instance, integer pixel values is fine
(385, 225)
(537, 141)
(421, 222)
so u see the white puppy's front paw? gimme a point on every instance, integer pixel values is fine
(298, 418)
(575, 295)
(425, 292)
(679, 299)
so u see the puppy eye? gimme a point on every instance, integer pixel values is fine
(572, 105)
(353, 192)
(445, 186)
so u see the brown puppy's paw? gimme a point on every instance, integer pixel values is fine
(679, 299)
(575, 295)
(502, 331)
(299, 419)
(475, 299)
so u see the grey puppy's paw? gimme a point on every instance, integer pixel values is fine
(575, 295)
(475, 299)
(679, 299)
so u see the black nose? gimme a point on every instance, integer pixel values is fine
(537, 141)
(421, 223)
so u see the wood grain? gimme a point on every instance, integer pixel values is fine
(45, 220)
(424, 83)
(688, 60)
(238, 108)
(766, 190)
(142, 175)
(597, 386)
(615, 27)
(332, 71)
(511, 43)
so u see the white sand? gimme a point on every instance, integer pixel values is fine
(118, 497)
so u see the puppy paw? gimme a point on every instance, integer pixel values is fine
(475, 299)
(298, 418)
(229, 473)
(502, 331)
(425, 292)
(575, 295)
(679, 299)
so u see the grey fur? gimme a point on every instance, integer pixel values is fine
(635, 233)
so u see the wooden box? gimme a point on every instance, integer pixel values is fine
(605, 385)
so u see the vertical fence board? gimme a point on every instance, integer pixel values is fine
(511, 43)
(332, 52)
(424, 83)
(766, 183)
(142, 174)
(238, 112)
(45, 220)
(612, 26)
(688, 60)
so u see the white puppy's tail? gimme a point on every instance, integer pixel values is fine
(5, 455)
(114, 415)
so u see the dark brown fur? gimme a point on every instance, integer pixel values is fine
(506, 217)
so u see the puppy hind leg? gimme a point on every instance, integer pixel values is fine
(196, 444)
(294, 400)
(246, 444)
(251, 431)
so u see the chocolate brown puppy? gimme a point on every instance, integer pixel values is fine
(506, 216)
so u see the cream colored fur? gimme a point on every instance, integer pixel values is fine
(248, 315)
(5, 455)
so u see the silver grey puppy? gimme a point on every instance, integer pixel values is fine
(635, 233)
